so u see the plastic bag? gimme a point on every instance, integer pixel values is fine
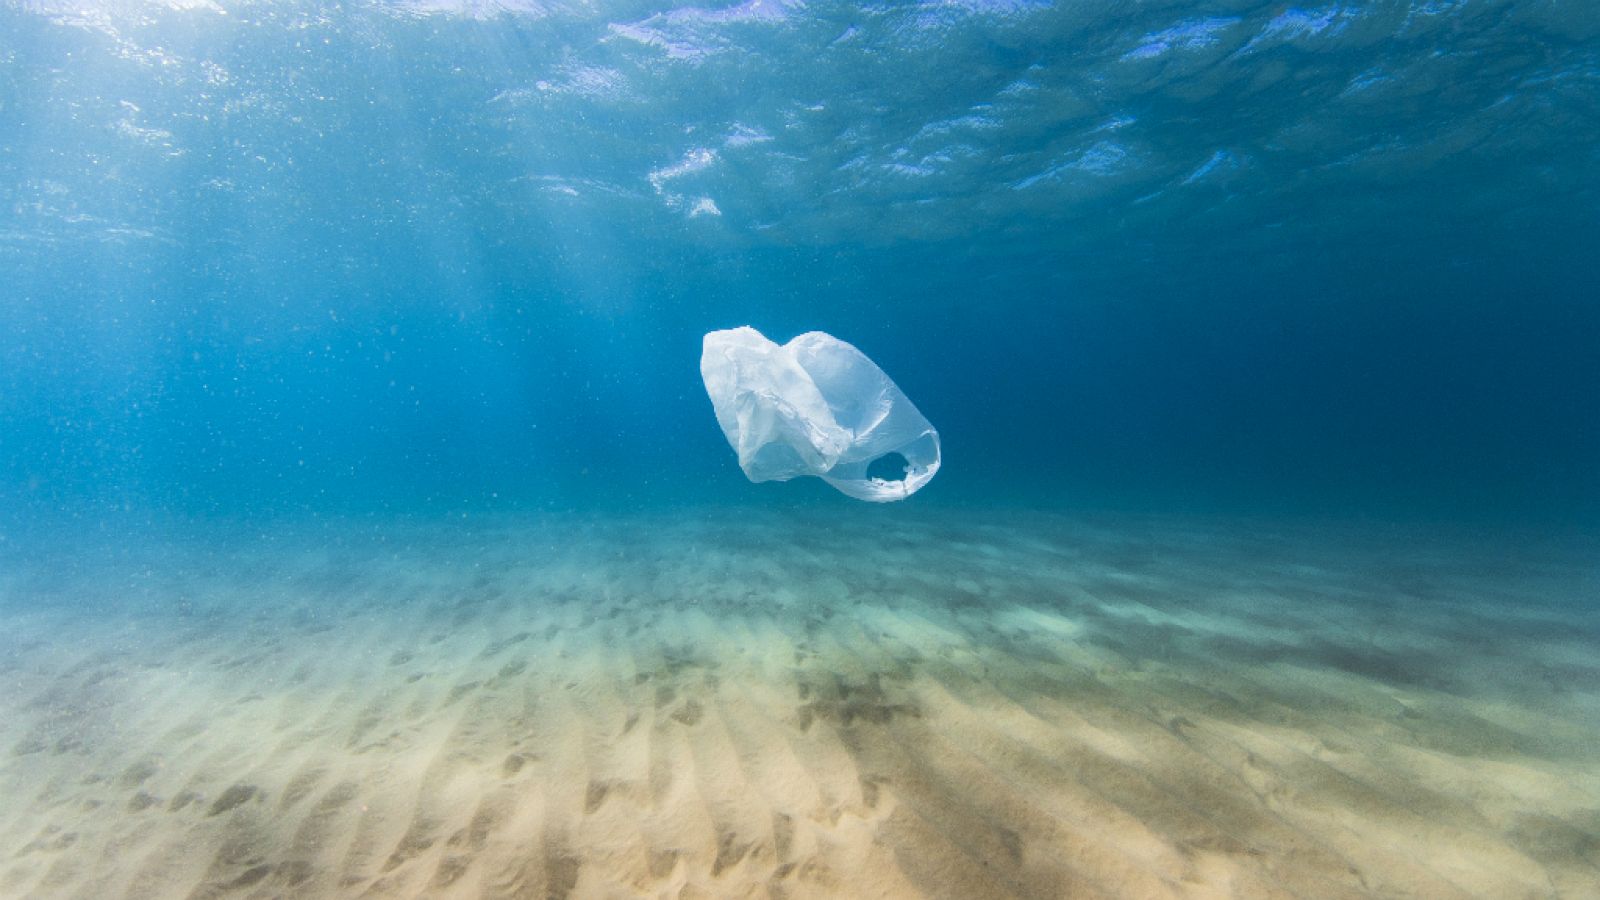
(817, 406)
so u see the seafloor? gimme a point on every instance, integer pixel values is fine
(707, 704)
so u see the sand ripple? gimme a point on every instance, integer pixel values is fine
(686, 708)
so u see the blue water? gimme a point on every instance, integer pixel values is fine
(366, 529)
(394, 256)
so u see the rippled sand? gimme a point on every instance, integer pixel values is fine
(917, 704)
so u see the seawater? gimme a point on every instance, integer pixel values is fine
(365, 529)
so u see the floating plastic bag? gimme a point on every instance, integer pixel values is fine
(817, 406)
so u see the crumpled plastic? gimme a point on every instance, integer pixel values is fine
(817, 406)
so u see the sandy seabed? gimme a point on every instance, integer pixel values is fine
(713, 705)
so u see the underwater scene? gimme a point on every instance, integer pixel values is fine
(762, 448)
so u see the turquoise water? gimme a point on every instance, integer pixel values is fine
(389, 256)
(366, 530)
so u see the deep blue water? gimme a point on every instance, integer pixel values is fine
(279, 257)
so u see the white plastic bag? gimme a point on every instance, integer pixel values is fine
(817, 406)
